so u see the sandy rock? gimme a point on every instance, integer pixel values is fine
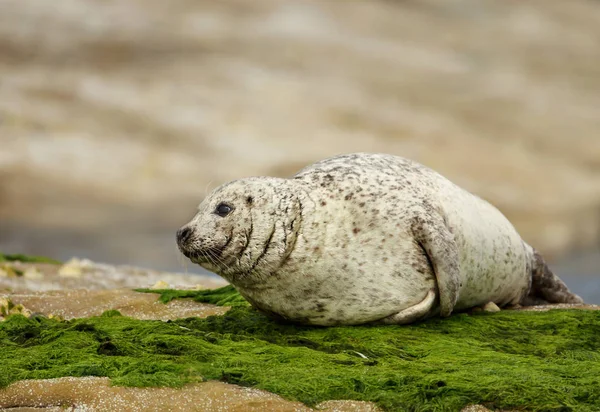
(69, 304)
(543, 308)
(74, 268)
(96, 394)
(9, 307)
(8, 271)
(97, 276)
(491, 307)
(161, 284)
(33, 273)
(347, 406)
(475, 408)
(96, 288)
(5, 305)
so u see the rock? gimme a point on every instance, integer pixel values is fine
(8, 307)
(475, 408)
(33, 273)
(74, 268)
(491, 307)
(347, 406)
(70, 304)
(9, 271)
(5, 306)
(161, 284)
(78, 274)
(97, 394)
(46, 290)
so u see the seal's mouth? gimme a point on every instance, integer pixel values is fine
(210, 255)
(192, 255)
(200, 251)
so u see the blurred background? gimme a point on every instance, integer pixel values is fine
(118, 116)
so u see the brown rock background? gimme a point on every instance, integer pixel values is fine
(117, 116)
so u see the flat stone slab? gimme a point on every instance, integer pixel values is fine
(69, 304)
(96, 394)
(84, 274)
(81, 288)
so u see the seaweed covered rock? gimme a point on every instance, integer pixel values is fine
(503, 360)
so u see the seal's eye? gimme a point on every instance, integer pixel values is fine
(223, 209)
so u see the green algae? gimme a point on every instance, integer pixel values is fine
(225, 296)
(26, 259)
(539, 361)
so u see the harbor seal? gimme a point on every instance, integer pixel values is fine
(365, 238)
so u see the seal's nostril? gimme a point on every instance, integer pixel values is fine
(184, 234)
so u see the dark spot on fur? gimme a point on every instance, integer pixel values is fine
(355, 230)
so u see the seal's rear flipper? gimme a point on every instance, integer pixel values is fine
(546, 287)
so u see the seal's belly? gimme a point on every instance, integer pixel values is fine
(336, 290)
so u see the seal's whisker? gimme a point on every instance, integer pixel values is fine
(217, 261)
(183, 261)
(207, 188)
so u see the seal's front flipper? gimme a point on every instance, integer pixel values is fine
(433, 235)
(412, 314)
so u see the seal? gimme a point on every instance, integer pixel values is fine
(365, 238)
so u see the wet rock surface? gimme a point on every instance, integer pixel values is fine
(85, 274)
(83, 303)
(96, 394)
(81, 288)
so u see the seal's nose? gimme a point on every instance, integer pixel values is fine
(183, 234)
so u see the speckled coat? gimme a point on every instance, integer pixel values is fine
(364, 238)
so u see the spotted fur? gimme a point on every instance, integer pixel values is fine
(363, 238)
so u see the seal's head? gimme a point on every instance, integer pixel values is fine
(243, 229)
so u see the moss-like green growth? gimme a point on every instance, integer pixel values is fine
(27, 259)
(539, 361)
(225, 296)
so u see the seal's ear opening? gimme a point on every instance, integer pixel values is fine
(249, 200)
